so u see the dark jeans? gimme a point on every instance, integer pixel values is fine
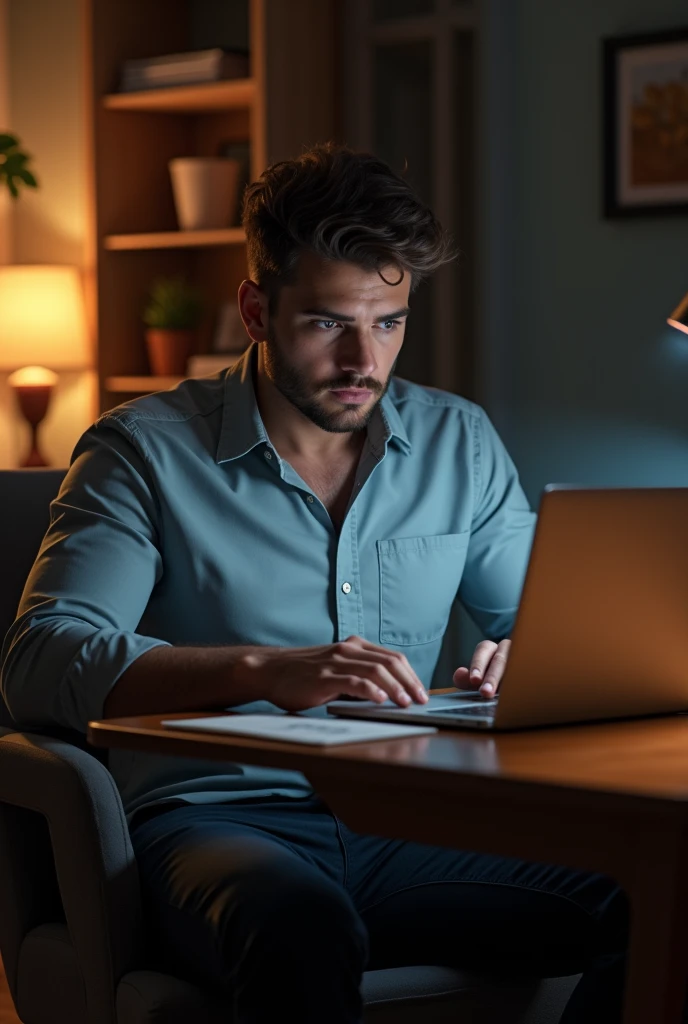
(278, 904)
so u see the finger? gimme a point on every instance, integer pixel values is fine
(480, 660)
(367, 667)
(462, 679)
(354, 686)
(397, 664)
(493, 676)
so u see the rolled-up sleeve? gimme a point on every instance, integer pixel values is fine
(501, 536)
(75, 632)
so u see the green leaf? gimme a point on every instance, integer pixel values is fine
(173, 303)
(14, 165)
(28, 178)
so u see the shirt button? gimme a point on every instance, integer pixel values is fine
(309, 499)
(268, 455)
(346, 587)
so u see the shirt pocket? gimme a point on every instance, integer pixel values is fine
(419, 578)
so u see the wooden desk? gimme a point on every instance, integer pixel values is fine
(611, 798)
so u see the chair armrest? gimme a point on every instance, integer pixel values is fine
(93, 861)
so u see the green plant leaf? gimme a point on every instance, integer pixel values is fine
(173, 304)
(13, 165)
(28, 178)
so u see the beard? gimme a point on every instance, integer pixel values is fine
(302, 394)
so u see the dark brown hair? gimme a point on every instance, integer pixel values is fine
(341, 205)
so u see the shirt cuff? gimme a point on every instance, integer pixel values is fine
(101, 660)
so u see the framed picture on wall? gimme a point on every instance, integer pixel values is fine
(645, 140)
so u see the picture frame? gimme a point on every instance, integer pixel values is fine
(645, 124)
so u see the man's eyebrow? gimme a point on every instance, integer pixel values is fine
(329, 314)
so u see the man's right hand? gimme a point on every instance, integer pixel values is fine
(296, 678)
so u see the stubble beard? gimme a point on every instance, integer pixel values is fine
(295, 387)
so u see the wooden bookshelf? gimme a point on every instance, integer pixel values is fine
(175, 239)
(188, 99)
(133, 235)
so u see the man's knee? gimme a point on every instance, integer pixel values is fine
(292, 907)
(254, 892)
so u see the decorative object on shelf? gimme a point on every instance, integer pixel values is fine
(172, 315)
(13, 165)
(205, 191)
(230, 333)
(646, 123)
(679, 318)
(189, 68)
(42, 322)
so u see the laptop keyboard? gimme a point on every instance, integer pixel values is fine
(472, 712)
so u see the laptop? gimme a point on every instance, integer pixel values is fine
(602, 627)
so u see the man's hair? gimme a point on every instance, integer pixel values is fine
(340, 205)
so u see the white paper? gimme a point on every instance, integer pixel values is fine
(299, 729)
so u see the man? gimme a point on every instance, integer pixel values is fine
(289, 532)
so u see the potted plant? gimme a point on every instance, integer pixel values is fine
(172, 315)
(13, 165)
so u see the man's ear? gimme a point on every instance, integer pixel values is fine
(253, 306)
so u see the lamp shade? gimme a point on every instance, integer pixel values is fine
(42, 318)
(679, 318)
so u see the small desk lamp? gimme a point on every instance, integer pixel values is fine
(679, 318)
(42, 323)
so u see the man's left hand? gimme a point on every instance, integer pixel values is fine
(486, 669)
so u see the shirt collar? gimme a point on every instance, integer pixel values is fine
(243, 428)
(394, 426)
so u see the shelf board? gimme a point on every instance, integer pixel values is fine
(145, 385)
(176, 239)
(233, 94)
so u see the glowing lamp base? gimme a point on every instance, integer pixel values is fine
(33, 387)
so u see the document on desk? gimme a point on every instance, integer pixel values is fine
(299, 729)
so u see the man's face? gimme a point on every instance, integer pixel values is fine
(334, 338)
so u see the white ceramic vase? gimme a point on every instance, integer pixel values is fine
(205, 191)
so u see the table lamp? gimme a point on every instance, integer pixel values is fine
(679, 318)
(42, 329)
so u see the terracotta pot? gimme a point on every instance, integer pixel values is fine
(169, 351)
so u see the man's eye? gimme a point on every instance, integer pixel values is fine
(325, 325)
(389, 325)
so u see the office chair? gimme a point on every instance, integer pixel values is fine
(71, 934)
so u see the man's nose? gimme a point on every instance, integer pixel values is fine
(356, 355)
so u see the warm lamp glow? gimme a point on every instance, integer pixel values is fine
(42, 319)
(32, 377)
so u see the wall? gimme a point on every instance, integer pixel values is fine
(580, 372)
(4, 119)
(44, 76)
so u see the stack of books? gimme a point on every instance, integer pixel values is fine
(184, 69)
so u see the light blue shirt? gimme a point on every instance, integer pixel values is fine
(179, 523)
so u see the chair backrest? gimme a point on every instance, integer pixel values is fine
(25, 496)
